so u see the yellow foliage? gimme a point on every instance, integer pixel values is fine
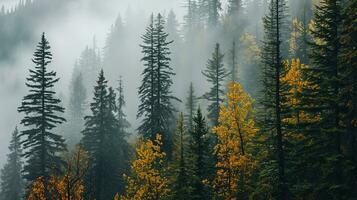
(295, 81)
(67, 187)
(234, 133)
(147, 182)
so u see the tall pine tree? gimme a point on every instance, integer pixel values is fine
(215, 75)
(326, 136)
(41, 108)
(104, 143)
(155, 92)
(275, 91)
(201, 164)
(11, 185)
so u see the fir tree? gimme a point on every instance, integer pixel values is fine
(215, 74)
(104, 143)
(11, 178)
(200, 153)
(349, 74)
(324, 151)
(274, 90)
(155, 92)
(181, 171)
(123, 122)
(234, 64)
(41, 146)
(191, 107)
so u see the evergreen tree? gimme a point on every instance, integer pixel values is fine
(105, 144)
(200, 154)
(77, 107)
(88, 65)
(41, 146)
(325, 149)
(181, 190)
(123, 122)
(234, 64)
(275, 92)
(215, 74)
(11, 184)
(155, 92)
(191, 107)
(349, 74)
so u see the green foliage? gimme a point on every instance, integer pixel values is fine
(105, 144)
(155, 93)
(215, 75)
(11, 183)
(41, 108)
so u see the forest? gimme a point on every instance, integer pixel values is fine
(209, 100)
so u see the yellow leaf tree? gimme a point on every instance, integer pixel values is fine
(148, 181)
(67, 187)
(234, 133)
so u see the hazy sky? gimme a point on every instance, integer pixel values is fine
(82, 20)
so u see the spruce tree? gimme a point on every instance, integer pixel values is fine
(181, 188)
(215, 75)
(201, 157)
(275, 91)
(123, 122)
(11, 185)
(349, 74)
(105, 143)
(155, 92)
(41, 108)
(191, 107)
(234, 63)
(325, 150)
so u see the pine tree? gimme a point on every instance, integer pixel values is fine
(104, 142)
(41, 146)
(181, 190)
(349, 74)
(77, 107)
(191, 106)
(155, 92)
(234, 63)
(215, 74)
(275, 90)
(200, 154)
(123, 122)
(325, 149)
(11, 184)
(88, 65)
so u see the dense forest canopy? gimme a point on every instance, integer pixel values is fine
(179, 99)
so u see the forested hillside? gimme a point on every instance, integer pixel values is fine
(231, 100)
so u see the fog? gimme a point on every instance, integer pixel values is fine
(80, 23)
(68, 35)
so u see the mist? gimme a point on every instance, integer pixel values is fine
(71, 26)
(69, 31)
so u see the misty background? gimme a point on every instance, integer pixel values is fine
(72, 26)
